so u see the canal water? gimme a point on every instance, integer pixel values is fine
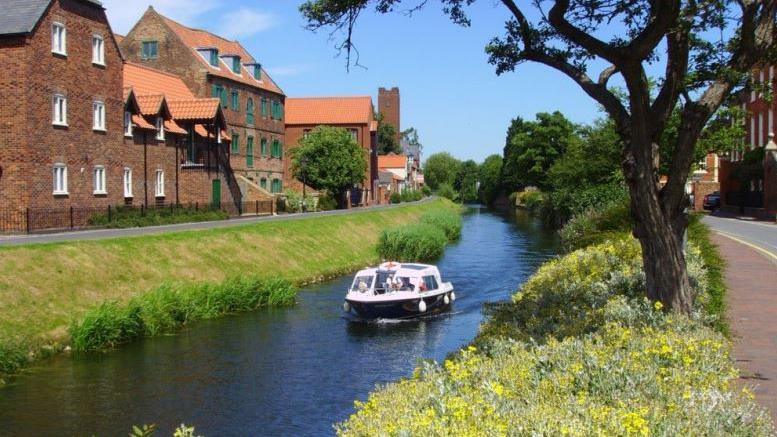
(282, 372)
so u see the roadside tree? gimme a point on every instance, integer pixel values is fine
(707, 50)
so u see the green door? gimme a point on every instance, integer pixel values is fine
(216, 193)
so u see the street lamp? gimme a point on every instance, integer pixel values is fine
(303, 164)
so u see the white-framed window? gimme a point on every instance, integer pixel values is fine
(160, 128)
(98, 109)
(127, 124)
(354, 134)
(60, 179)
(99, 180)
(127, 182)
(60, 110)
(98, 50)
(59, 39)
(159, 190)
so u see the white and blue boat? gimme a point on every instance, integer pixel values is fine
(398, 290)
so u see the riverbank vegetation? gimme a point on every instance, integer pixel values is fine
(171, 306)
(421, 242)
(44, 288)
(466, 181)
(133, 217)
(579, 350)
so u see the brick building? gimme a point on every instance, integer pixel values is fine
(212, 66)
(177, 142)
(355, 114)
(757, 197)
(62, 108)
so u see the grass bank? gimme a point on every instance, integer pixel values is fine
(579, 351)
(44, 288)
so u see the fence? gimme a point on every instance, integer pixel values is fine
(36, 220)
(745, 199)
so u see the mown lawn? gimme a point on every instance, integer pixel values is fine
(45, 287)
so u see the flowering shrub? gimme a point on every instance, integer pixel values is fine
(578, 351)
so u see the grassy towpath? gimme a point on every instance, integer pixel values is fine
(44, 287)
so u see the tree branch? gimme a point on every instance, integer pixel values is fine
(594, 45)
(606, 74)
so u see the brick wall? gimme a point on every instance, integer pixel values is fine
(389, 106)
(14, 164)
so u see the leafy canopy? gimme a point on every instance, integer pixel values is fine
(441, 168)
(387, 137)
(329, 159)
(467, 181)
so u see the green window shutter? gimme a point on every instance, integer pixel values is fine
(250, 111)
(236, 65)
(214, 58)
(263, 183)
(264, 107)
(214, 91)
(235, 101)
(223, 95)
(264, 147)
(235, 143)
(250, 151)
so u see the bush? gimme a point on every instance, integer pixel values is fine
(295, 202)
(134, 217)
(395, 197)
(449, 221)
(561, 205)
(447, 191)
(412, 242)
(169, 307)
(326, 202)
(411, 195)
(579, 351)
(595, 226)
(426, 191)
(531, 199)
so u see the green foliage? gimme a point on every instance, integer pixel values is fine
(447, 191)
(411, 196)
(450, 222)
(13, 356)
(490, 182)
(441, 169)
(596, 225)
(750, 168)
(326, 202)
(295, 202)
(578, 351)
(561, 205)
(699, 235)
(426, 191)
(593, 160)
(467, 181)
(395, 197)
(532, 147)
(387, 137)
(171, 306)
(531, 199)
(330, 160)
(143, 431)
(417, 242)
(133, 217)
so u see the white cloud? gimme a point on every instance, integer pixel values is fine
(244, 22)
(123, 14)
(233, 23)
(288, 70)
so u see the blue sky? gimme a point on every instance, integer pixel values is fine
(449, 92)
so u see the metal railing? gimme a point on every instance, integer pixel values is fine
(37, 220)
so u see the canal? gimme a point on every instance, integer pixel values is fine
(292, 371)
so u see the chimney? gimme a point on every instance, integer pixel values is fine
(388, 105)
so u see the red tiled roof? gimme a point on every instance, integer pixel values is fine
(329, 110)
(194, 109)
(144, 80)
(196, 38)
(141, 123)
(392, 161)
(127, 91)
(150, 104)
(172, 127)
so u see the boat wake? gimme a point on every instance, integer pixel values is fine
(381, 321)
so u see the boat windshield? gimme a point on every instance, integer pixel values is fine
(362, 283)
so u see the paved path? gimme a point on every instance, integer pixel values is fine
(102, 234)
(750, 251)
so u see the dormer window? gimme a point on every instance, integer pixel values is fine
(211, 55)
(98, 50)
(160, 129)
(233, 61)
(256, 70)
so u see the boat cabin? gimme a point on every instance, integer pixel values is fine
(393, 277)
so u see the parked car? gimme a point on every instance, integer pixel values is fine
(712, 201)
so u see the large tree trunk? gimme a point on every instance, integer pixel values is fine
(660, 233)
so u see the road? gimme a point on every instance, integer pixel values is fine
(103, 234)
(762, 235)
